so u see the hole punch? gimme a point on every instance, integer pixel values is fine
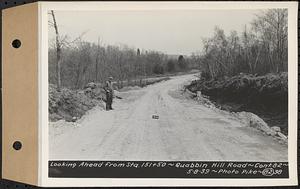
(16, 43)
(17, 145)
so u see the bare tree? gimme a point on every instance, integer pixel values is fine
(261, 49)
(272, 28)
(58, 52)
(97, 59)
(84, 62)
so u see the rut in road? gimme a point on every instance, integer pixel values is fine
(184, 130)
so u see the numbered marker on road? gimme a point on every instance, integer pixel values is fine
(155, 117)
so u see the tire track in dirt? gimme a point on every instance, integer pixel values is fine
(185, 130)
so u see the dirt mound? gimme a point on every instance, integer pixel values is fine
(266, 96)
(71, 105)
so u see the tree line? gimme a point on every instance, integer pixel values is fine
(86, 62)
(261, 48)
(74, 63)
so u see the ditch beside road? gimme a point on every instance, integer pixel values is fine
(158, 123)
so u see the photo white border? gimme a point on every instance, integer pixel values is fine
(44, 7)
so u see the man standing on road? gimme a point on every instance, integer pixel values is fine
(109, 93)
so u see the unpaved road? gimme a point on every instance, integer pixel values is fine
(185, 130)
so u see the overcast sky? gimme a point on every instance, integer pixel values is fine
(172, 32)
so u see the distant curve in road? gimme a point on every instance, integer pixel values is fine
(184, 130)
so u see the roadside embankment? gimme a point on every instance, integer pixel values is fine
(265, 96)
(70, 105)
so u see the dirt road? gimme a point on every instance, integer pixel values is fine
(184, 130)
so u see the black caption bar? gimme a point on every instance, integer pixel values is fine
(167, 169)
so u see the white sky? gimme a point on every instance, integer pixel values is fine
(171, 32)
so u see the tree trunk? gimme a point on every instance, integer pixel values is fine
(97, 60)
(58, 53)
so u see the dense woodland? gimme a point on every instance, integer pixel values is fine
(244, 71)
(84, 62)
(74, 62)
(260, 49)
(248, 71)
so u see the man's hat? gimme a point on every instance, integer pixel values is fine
(110, 78)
